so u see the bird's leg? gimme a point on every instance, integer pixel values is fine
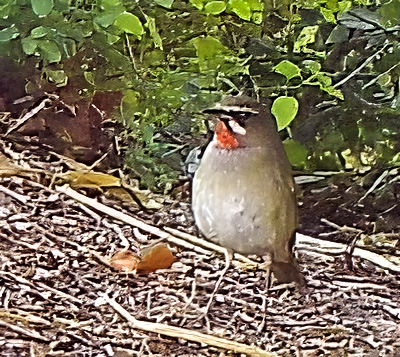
(228, 258)
(266, 265)
(268, 278)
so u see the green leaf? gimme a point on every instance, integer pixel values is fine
(8, 34)
(153, 58)
(334, 92)
(256, 5)
(328, 15)
(241, 8)
(129, 23)
(199, 4)
(108, 17)
(148, 133)
(214, 7)
(307, 36)
(39, 32)
(165, 3)
(339, 34)
(284, 109)
(109, 4)
(6, 7)
(313, 66)
(257, 17)
(69, 47)
(130, 106)
(151, 25)
(325, 83)
(390, 13)
(90, 77)
(324, 80)
(288, 69)
(344, 6)
(296, 153)
(29, 45)
(42, 7)
(49, 50)
(58, 77)
(208, 47)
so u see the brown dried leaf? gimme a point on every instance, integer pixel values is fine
(91, 179)
(156, 257)
(124, 260)
(119, 193)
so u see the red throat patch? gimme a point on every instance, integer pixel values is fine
(225, 138)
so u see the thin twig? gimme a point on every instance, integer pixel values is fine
(306, 243)
(28, 115)
(376, 79)
(131, 56)
(24, 281)
(17, 196)
(24, 317)
(375, 185)
(20, 330)
(228, 258)
(186, 334)
(363, 65)
(341, 228)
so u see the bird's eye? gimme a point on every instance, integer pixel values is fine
(241, 118)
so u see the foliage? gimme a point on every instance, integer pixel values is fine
(284, 109)
(173, 58)
(248, 10)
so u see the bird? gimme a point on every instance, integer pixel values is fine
(243, 192)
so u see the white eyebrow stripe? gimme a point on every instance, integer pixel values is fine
(233, 109)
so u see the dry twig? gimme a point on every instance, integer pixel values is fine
(190, 335)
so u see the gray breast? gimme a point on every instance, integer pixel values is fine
(239, 200)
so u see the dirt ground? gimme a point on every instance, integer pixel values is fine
(58, 296)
